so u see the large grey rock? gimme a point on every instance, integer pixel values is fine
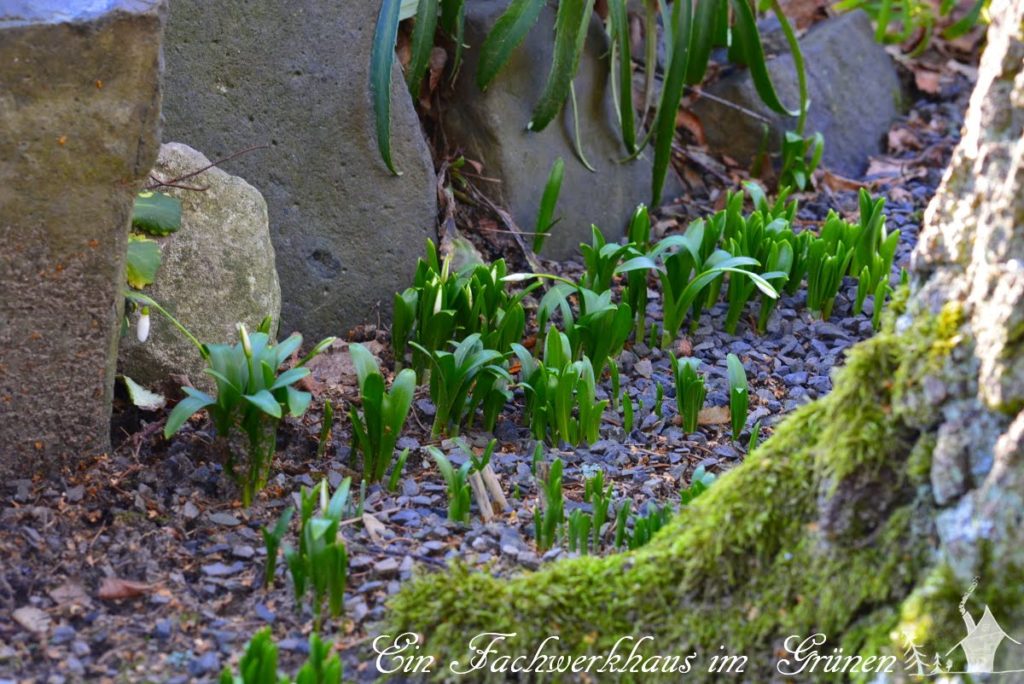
(294, 76)
(79, 104)
(491, 127)
(854, 90)
(216, 270)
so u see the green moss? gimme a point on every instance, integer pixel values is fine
(919, 463)
(745, 565)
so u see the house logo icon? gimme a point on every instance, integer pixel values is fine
(982, 641)
(979, 646)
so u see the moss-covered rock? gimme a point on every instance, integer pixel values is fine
(799, 539)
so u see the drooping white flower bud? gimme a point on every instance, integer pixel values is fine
(244, 335)
(143, 328)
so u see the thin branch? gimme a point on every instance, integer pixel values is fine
(173, 181)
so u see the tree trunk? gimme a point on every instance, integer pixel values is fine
(868, 514)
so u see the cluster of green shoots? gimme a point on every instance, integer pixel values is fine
(743, 254)
(375, 433)
(259, 664)
(585, 532)
(457, 480)
(916, 21)
(444, 306)
(319, 570)
(320, 563)
(561, 399)
(462, 331)
(253, 394)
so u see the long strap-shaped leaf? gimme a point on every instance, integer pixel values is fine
(507, 34)
(748, 41)
(671, 94)
(702, 37)
(382, 57)
(422, 43)
(620, 38)
(570, 35)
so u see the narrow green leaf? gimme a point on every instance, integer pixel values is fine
(363, 361)
(508, 32)
(747, 39)
(453, 21)
(287, 348)
(620, 36)
(571, 25)
(183, 411)
(702, 38)
(382, 57)
(422, 44)
(298, 401)
(640, 263)
(548, 201)
(737, 376)
(671, 94)
(288, 377)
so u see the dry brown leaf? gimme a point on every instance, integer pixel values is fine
(887, 167)
(903, 139)
(836, 183)
(70, 594)
(684, 347)
(333, 367)
(375, 528)
(115, 588)
(927, 81)
(438, 60)
(713, 415)
(32, 619)
(804, 13)
(900, 194)
(688, 120)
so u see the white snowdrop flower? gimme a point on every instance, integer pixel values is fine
(143, 328)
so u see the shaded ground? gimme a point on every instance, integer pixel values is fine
(141, 566)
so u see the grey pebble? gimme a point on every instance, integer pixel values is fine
(225, 519)
(208, 662)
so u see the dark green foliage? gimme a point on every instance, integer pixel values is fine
(320, 564)
(252, 396)
(458, 382)
(546, 212)
(458, 485)
(690, 391)
(384, 413)
(739, 395)
(561, 394)
(548, 520)
(259, 663)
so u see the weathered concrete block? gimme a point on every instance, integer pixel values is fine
(854, 90)
(491, 127)
(216, 271)
(295, 76)
(79, 111)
